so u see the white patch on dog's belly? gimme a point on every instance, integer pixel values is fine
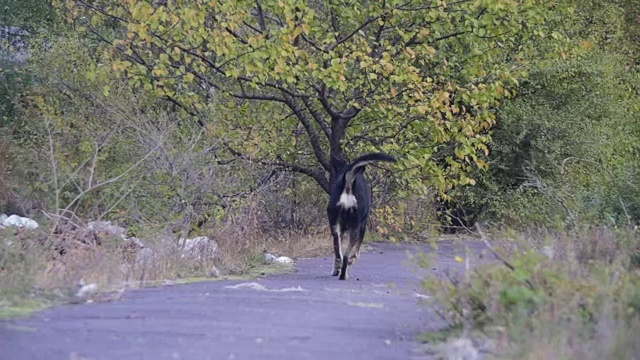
(347, 201)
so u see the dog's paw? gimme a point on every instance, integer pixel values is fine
(343, 276)
(337, 265)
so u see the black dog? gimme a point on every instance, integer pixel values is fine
(348, 209)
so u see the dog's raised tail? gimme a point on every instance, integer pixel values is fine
(363, 161)
(347, 198)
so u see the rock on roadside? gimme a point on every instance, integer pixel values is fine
(17, 221)
(106, 228)
(278, 259)
(198, 248)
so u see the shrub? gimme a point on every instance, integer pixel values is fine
(574, 285)
(565, 149)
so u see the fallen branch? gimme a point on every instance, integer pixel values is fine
(498, 256)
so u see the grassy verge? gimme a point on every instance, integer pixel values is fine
(35, 275)
(22, 308)
(552, 295)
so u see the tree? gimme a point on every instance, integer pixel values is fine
(26, 14)
(20, 20)
(409, 77)
(565, 150)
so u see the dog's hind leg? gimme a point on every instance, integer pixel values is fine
(337, 249)
(356, 253)
(346, 257)
(345, 263)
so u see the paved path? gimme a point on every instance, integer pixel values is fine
(306, 314)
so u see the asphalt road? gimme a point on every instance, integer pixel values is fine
(306, 314)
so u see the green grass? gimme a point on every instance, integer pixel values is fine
(440, 335)
(22, 308)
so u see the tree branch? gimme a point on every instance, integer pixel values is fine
(261, 22)
(315, 174)
(102, 11)
(237, 36)
(112, 180)
(317, 117)
(314, 139)
(321, 91)
(350, 35)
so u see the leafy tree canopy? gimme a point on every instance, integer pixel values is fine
(415, 78)
(26, 14)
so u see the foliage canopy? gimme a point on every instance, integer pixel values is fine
(565, 151)
(406, 77)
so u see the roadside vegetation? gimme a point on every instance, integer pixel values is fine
(560, 208)
(174, 121)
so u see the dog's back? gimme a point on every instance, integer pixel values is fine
(350, 189)
(359, 188)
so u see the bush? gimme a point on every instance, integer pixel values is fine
(82, 146)
(565, 149)
(573, 285)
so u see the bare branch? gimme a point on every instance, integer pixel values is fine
(429, 7)
(334, 21)
(315, 174)
(536, 182)
(495, 253)
(112, 180)
(54, 165)
(252, 27)
(119, 199)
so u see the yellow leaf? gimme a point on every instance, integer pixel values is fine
(411, 53)
(586, 45)
(459, 259)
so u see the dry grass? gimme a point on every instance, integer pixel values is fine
(315, 242)
(31, 267)
(4, 164)
(568, 296)
(610, 340)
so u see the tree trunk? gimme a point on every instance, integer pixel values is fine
(338, 160)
